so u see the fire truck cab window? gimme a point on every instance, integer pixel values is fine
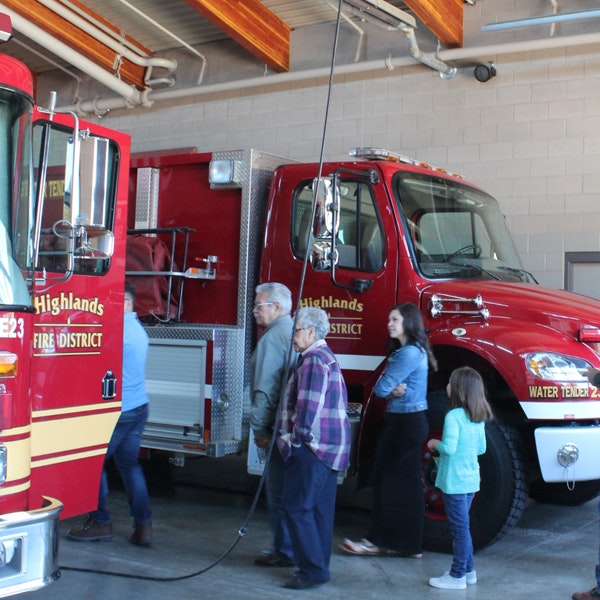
(456, 230)
(359, 239)
(16, 222)
(60, 232)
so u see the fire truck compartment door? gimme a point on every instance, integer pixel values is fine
(175, 382)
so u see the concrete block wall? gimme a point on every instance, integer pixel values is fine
(530, 136)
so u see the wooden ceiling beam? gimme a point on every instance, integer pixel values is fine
(444, 19)
(80, 41)
(251, 25)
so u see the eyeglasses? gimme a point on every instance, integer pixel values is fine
(257, 305)
(300, 329)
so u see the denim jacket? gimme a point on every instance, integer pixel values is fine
(407, 365)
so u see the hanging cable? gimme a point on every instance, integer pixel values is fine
(250, 515)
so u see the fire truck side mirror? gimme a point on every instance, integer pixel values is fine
(87, 170)
(90, 217)
(326, 222)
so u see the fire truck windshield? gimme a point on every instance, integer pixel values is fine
(456, 230)
(16, 206)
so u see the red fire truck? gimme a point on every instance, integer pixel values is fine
(63, 195)
(379, 229)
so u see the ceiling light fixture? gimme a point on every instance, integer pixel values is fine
(382, 13)
(543, 20)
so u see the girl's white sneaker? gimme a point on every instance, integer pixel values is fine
(471, 577)
(447, 582)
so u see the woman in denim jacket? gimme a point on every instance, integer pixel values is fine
(398, 513)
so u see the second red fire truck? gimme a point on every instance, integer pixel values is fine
(379, 229)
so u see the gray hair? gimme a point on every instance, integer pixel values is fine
(277, 292)
(316, 317)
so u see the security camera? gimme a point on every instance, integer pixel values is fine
(484, 72)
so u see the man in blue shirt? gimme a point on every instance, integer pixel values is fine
(124, 444)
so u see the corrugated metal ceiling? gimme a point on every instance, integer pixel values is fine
(134, 18)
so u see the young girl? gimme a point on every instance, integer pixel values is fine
(463, 440)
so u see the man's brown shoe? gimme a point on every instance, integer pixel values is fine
(272, 560)
(142, 534)
(91, 531)
(593, 594)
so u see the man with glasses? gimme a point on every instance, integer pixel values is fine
(269, 369)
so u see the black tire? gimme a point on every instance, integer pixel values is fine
(501, 500)
(559, 493)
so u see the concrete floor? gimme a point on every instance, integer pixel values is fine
(549, 555)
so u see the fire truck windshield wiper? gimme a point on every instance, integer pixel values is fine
(477, 268)
(519, 273)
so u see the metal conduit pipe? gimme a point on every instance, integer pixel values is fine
(477, 53)
(108, 40)
(120, 36)
(183, 43)
(434, 62)
(107, 104)
(349, 21)
(519, 47)
(130, 96)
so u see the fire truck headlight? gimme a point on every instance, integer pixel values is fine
(2, 464)
(557, 367)
(8, 364)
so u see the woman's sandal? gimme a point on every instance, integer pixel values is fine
(362, 548)
(365, 548)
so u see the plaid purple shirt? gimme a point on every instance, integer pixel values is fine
(315, 412)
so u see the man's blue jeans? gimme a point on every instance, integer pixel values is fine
(282, 544)
(124, 447)
(457, 510)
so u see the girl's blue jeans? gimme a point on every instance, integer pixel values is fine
(457, 510)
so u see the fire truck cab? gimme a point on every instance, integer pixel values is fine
(62, 246)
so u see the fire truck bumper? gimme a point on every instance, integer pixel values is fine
(29, 548)
(568, 454)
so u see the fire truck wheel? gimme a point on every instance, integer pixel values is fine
(500, 502)
(559, 493)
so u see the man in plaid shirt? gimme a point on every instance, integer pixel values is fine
(313, 436)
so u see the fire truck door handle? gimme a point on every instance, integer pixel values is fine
(109, 385)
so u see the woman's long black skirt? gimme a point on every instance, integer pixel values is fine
(398, 502)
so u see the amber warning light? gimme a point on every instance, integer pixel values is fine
(5, 28)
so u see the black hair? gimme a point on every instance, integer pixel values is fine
(414, 331)
(130, 289)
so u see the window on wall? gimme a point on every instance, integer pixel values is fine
(582, 273)
(359, 240)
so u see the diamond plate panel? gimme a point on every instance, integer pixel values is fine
(231, 346)
(146, 198)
